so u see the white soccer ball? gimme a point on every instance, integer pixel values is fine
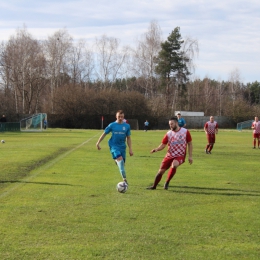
(2, 141)
(122, 187)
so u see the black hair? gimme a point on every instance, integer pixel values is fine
(174, 118)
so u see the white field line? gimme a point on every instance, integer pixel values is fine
(44, 167)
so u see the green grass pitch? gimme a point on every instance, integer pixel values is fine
(58, 199)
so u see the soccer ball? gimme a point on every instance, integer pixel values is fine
(2, 141)
(122, 187)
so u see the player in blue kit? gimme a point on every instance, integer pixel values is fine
(121, 133)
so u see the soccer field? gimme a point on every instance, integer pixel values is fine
(58, 199)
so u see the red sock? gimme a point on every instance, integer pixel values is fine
(210, 147)
(171, 173)
(207, 147)
(254, 143)
(157, 179)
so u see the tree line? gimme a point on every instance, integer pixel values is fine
(153, 79)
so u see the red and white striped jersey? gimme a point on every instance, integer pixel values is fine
(256, 126)
(177, 142)
(211, 127)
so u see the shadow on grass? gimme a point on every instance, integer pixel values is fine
(213, 191)
(45, 183)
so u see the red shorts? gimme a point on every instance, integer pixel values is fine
(167, 162)
(256, 135)
(211, 138)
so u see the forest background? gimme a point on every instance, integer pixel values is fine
(78, 82)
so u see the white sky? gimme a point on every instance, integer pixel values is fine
(228, 31)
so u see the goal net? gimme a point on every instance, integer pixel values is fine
(245, 124)
(33, 123)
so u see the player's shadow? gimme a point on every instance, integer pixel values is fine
(213, 191)
(45, 183)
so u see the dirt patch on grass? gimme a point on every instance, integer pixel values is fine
(22, 171)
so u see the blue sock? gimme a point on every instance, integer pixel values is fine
(121, 166)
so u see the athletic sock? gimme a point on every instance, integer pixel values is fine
(207, 147)
(121, 166)
(210, 148)
(171, 173)
(254, 143)
(157, 179)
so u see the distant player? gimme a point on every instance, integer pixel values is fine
(45, 123)
(3, 119)
(256, 132)
(181, 120)
(211, 129)
(177, 140)
(120, 134)
(146, 124)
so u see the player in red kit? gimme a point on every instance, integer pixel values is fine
(177, 139)
(211, 129)
(256, 132)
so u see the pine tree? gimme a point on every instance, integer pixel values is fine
(172, 64)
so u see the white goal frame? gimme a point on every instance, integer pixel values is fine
(33, 123)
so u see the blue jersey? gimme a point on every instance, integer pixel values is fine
(181, 122)
(119, 134)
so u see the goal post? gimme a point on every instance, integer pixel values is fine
(34, 123)
(245, 124)
(133, 124)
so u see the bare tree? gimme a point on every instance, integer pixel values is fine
(57, 50)
(23, 70)
(88, 66)
(190, 50)
(220, 96)
(80, 63)
(235, 84)
(110, 60)
(143, 56)
(208, 95)
(6, 100)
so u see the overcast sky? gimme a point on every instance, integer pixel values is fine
(228, 31)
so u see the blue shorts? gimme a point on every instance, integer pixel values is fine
(117, 153)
